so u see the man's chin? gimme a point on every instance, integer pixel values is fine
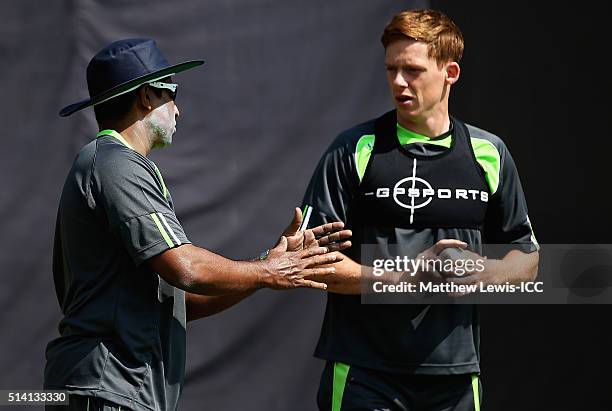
(162, 144)
(407, 111)
(409, 115)
(167, 141)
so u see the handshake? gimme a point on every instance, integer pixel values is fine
(301, 253)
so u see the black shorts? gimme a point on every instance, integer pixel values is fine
(349, 388)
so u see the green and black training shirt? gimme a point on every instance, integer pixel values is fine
(396, 188)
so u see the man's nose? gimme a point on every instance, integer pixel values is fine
(177, 113)
(400, 79)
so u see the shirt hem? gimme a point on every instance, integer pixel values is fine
(117, 398)
(403, 368)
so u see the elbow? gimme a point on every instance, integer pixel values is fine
(182, 268)
(197, 280)
(192, 280)
(184, 276)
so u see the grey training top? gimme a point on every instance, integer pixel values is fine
(123, 331)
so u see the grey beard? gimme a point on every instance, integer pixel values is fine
(162, 136)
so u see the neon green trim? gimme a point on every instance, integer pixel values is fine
(109, 132)
(365, 145)
(475, 390)
(485, 152)
(165, 190)
(363, 152)
(305, 210)
(340, 373)
(489, 159)
(406, 136)
(161, 229)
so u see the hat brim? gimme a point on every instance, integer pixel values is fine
(121, 88)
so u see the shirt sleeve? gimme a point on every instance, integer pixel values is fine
(130, 193)
(507, 220)
(333, 184)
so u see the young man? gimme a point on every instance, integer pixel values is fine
(126, 276)
(422, 181)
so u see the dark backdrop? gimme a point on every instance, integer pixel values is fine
(535, 74)
(281, 80)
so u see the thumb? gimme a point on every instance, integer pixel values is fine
(282, 244)
(294, 226)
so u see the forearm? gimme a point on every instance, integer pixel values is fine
(347, 279)
(199, 306)
(206, 273)
(353, 278)
(514, 268)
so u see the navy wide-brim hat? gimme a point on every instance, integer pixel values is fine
(122, 67)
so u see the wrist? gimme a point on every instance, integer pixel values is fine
(262, 273)
(264, 255)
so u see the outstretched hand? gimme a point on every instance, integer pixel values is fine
(330, 235)
(287, 269)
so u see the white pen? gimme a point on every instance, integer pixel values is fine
(306, 212)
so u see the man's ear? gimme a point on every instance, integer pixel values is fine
(452, 72)
(144, 99)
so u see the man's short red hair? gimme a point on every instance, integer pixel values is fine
(442, 36)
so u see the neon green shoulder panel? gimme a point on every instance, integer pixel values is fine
(485, 152)
(489, 159)
(363, 152)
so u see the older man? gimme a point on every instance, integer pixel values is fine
(414, 182)
(126, 276)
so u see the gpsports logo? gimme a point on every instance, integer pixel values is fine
(414, 192)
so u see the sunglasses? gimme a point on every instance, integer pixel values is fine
(168, 86)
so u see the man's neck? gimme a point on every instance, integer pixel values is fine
(134, 133)
(431, 126)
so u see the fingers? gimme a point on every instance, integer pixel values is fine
(335, 237)
(334, 241)
(317, 272)
(327, 228)
(340, 246)
(309, 238)
(309, 252)
(311, 284)
(448, 243)
(298, 280)
(322, 259)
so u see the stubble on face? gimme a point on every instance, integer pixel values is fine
(160, 125)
